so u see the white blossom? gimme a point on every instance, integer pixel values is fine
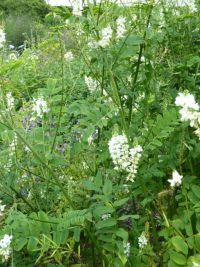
(2, 208)
(183, 3)
(27, 149)
(2, 38)
(40, 107)
(12, 57)
(189, 110)
(124, 159)
(5, 246)
(186, 100)
(92, 85)
(77, 8)
(105, 216)
(127, 248)
(10, 101)
(197, 132)
(11, 153)
(135, 155)
(130, 79)
(106, 35)
(11, 46)
(121, 27)
(126, 188)
(93, 44)
(68, 56)
(195, 264)
(142, 240)
(176, 179)
(119, 151)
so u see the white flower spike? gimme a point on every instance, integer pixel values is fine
(176, 179)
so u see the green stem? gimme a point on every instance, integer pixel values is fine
(142, 46)
(117, 101)
(62, 96)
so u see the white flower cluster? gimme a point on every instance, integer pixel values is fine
(77, 7)
(176, 179)
(92, 85)
(40, 107)
(121, 27)
(2, 38)
(10, 101)
(127, 248)
(105, 216)
(124, 158)
(68, 56)
(12, 57)
(106, 35)
(182, 3)
(107, 32)
(195, 264)
(11, 153)
(5, 247)
(189, 111)
(142, 240)
(2, 208)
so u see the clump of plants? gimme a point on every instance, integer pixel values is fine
(99, 136)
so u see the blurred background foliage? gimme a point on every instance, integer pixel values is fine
(23, 20)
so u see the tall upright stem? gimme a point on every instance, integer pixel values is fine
(142, 46)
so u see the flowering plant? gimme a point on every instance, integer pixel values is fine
(99, 136)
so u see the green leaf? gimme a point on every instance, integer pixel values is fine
(98, 211)
(107, 188)
(98, 180)
(106, 223)
(34, 225)
(179, 244)
(105, 238)
(77, 233)
(89, 185)
(172, 264)
(197, 241)
(121, 202)
(196, 190)
(178, 258)
(46, 243)
(57, 237)
(20, 243)
(32, 243)
(125, 217)
(45, 225)
(122, 233)
(134, 40)
(193, 198)
(122, 257)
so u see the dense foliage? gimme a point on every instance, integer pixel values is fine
(99, 136)
(33, 8)
(23, 20)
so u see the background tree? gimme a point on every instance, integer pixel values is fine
(34, 8)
